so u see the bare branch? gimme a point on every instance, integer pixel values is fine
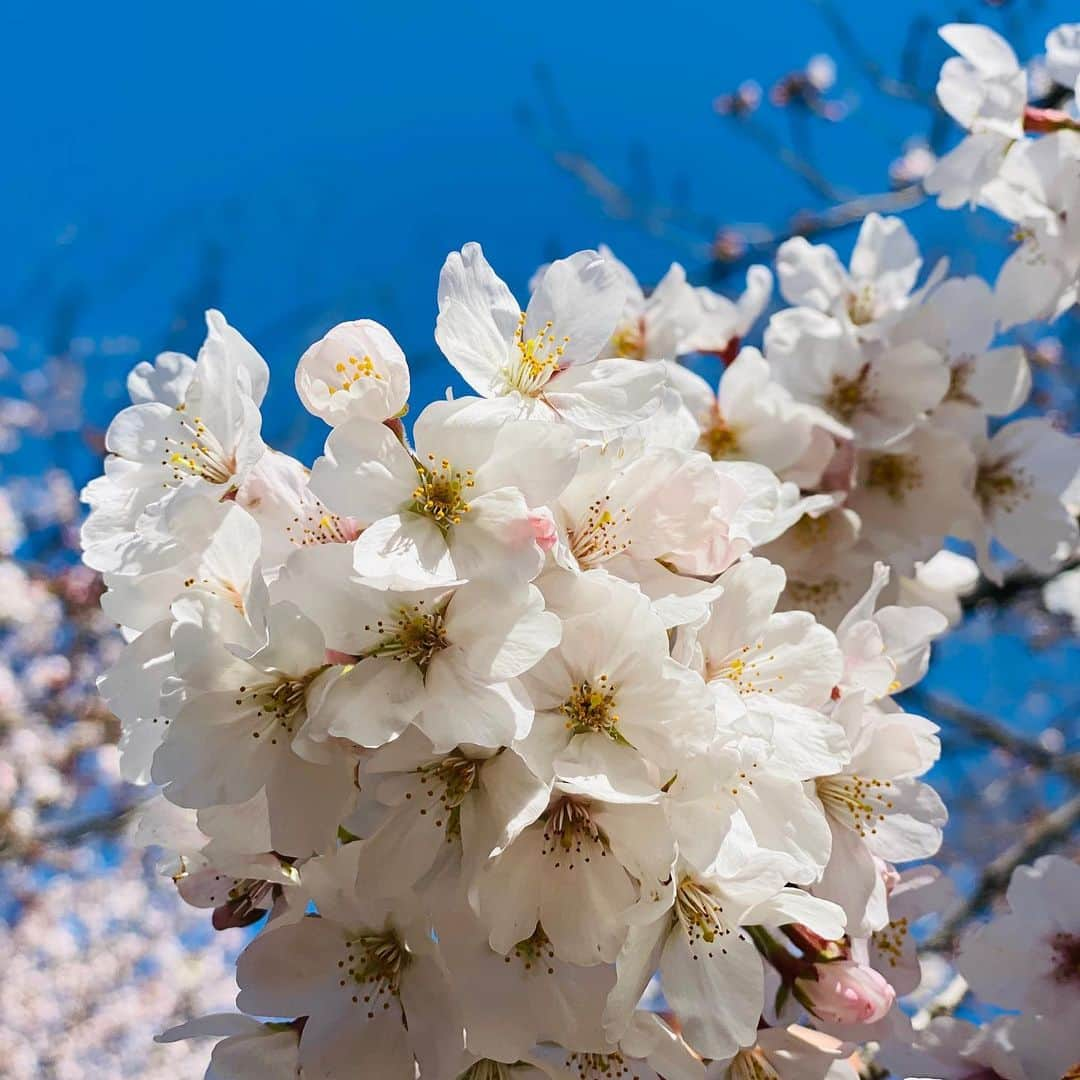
(1015, 584)
(988, 729)
(107, 823)
(873, 71)
(994, 879)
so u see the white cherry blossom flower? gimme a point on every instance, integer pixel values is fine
(239, 730)
(1026, 958)
(985, 90)
(440, 811)
(1063, 54)
(913, 493)
(877, 391)
(751, 417)
(548, 360)
(712, 974)
(872, 295)
(1036, 189)
(612, 678)
(1021, 475)
(876, 807)
(529, 995)
(601, 843)
(357, 370)
(366, 975)
(246, 1048)
(783, 668)
(654, 326)
(959, 320)
(790, 1053)
(722, 323)
(649, 1047)
(205, 441)
(444, 659)
(460, 505)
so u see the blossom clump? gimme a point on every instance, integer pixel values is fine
(580, 682)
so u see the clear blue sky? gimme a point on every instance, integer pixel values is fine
(323, 159)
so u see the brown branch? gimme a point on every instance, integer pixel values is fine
(1016, 583)
(874, 72)
(107, 823)
(993, 731)
(994, 879)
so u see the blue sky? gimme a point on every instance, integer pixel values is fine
(323, 160)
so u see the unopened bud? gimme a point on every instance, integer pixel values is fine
(845, 992)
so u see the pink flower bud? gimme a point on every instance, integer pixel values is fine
(543, 529)
(845, 992)
(333, 656)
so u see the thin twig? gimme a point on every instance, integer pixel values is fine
(1015, 583)
(873, 71)
(994, 879)
(990, 730)
(107, 823)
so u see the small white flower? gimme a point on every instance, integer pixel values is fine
(548, 360)
(1029, 957)
(356, 370)
(459, 506)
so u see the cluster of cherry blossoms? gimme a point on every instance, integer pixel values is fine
(578, 696)
(54, 641)
(99, 958)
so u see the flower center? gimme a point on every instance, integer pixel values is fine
(860, 305)
(198, 453)
(702, 915)
(896, 474)
(1066, 957)
(809, 531)
(813, 595)
(279, 706)
(890, 940)
(534, 360)
(847, 396)
(596, 538)
(597, 1066)
(486, 1070)
(629, 340)
(374, 963)
(326, 529)
(571, 834)
(535, 952)
(855, 801)
(719, 440)
(352, 371)
(1001, 486)
(741, 670)
(591, 710)
(959, 376)
(413, 634)
(456, 776)
(441, 490)
(751, 1065)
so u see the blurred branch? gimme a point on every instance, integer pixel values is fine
(108, 823)
(797, 163)
(988, 729)
(994, 879)
(1015, 584)
(871, 69)
(831, 219)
